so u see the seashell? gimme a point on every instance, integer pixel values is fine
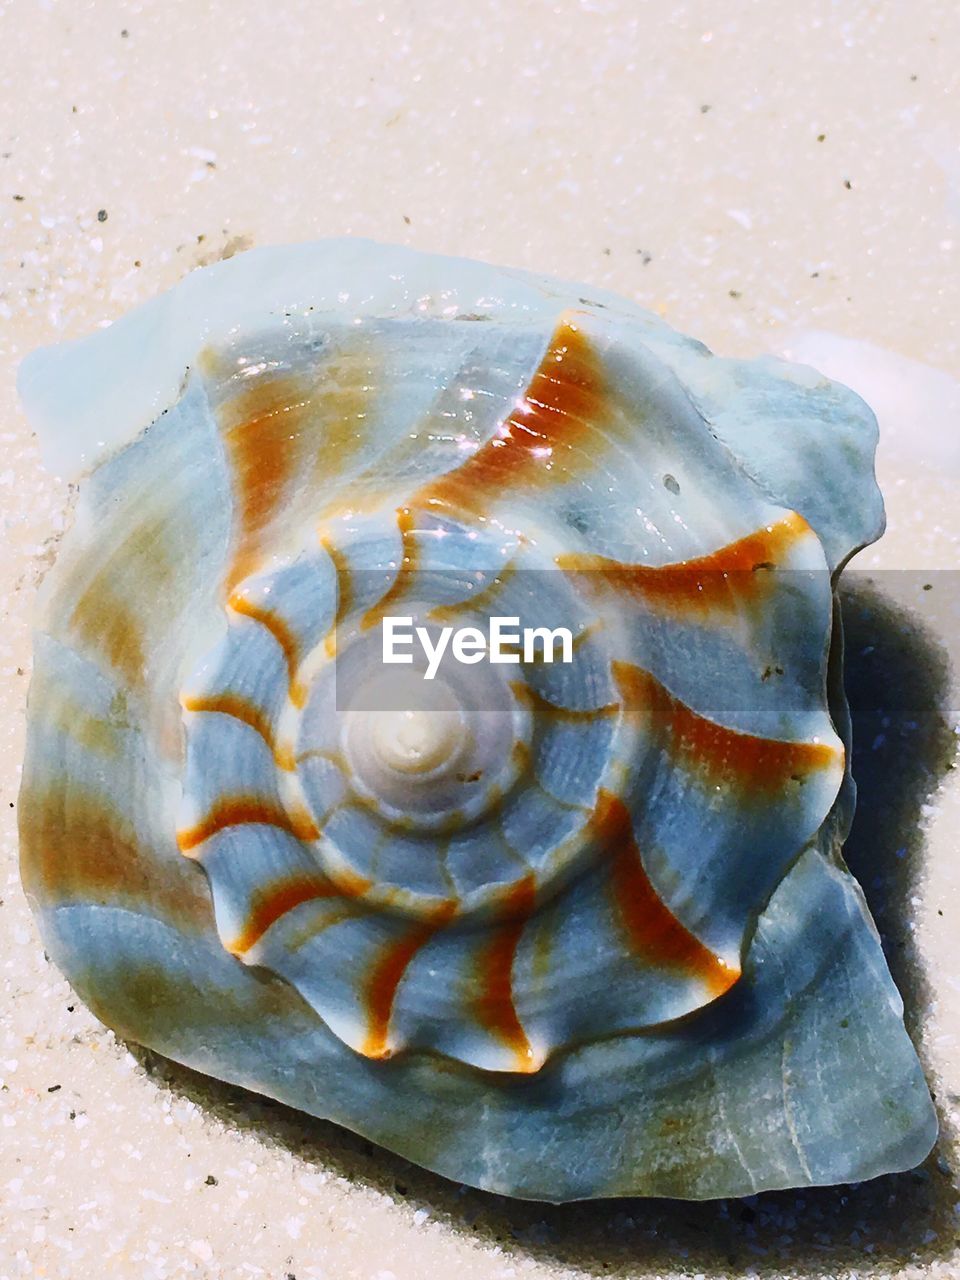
(559, 929)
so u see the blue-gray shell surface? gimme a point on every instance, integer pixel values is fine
(592, 934)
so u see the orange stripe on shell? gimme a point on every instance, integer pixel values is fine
(268, 905)
(385, 975)
(240, 708)
(753, 764)
(494, 1007)
(724, 581)
(284, 637)
(555, 417)
(653, 931)
(235, 811)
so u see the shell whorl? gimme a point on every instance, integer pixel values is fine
(573, 860)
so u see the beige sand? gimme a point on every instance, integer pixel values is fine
(755, 173)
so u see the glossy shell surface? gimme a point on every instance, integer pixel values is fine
(579, 929)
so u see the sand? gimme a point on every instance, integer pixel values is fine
(769, 177)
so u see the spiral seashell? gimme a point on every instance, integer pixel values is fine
(593, 906)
